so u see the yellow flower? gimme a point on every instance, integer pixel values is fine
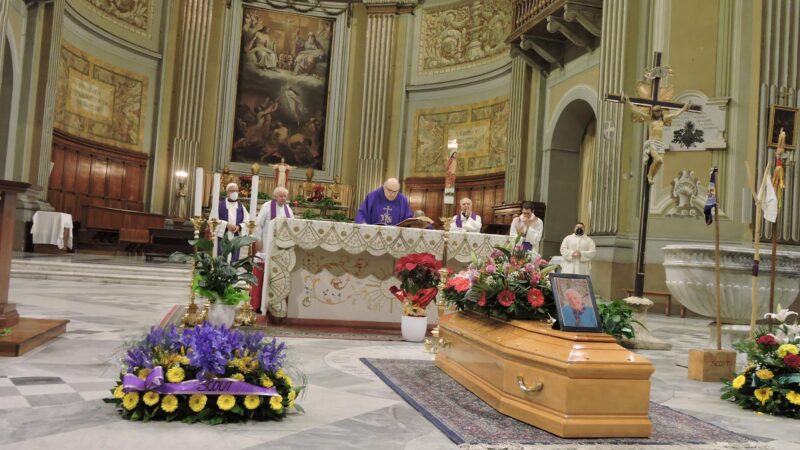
(288, 381)
(763, 394)
(738, 382)
(169, 403)
(765, 374)
(185, 360)
(130, 400)
(226, 402)
(292, 395)
(143, 373)
(175, 374)
(266, 382)
(252, 401)
(238, 376)
(280, 374)
(276, 403)
(785, 349)
(793, 397)
(118, 392)
(150, 398)
(197, 402)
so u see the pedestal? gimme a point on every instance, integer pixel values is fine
(643, 340)
(711, 365)
(574, 385)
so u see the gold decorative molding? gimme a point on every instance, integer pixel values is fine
(463, 35)
(133, 15)
(481, 130)
(98, 101)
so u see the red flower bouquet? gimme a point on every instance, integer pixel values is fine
(419, 278)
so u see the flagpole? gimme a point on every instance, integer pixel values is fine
(759, 200)
(716, 269)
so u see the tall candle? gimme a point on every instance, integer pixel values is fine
(215, 197)
(198, 191)
(254, 198)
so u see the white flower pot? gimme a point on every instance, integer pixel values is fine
(414, 328)
(221, 314)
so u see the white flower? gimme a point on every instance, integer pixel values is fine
(781, 316)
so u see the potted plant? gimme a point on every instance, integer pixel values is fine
(419, 277)
(222, 283)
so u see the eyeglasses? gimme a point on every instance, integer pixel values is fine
(391, 191)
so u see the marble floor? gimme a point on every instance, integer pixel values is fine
(50, 397)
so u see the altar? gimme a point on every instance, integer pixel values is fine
(336, 271)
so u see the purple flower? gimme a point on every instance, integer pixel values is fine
(138, 358)
(490, 268)
(272, 355)
(530, 267)
(252, 342)
(211, 348)
(496, 254)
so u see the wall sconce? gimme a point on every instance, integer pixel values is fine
(180, 193)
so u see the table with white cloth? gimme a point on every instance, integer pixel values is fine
(52, 228)
(321, 270)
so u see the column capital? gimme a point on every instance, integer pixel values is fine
(390, 6)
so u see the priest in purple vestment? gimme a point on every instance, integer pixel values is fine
(384, 206)
(232, 218)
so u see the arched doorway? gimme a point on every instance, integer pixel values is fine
(568, 172)
(7, 82)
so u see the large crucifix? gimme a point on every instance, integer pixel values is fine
(651, 111)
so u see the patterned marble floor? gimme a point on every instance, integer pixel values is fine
(50, 398)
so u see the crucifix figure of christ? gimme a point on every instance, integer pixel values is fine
(651, 110)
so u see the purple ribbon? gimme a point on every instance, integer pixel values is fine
(458, 219)
(755, 268)
(273, 209)
(215, 386)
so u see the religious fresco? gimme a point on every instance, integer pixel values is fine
(282, 91)
(480, 129)
(463, 35)
(133, 15)
(98, 101)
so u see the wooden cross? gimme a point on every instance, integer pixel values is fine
(655, 74)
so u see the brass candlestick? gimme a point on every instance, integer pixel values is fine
(212, 223)
(191, 317)
(245, 315)
(436, 343)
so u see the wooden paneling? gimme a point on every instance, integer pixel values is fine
(104, 218)
(87, 173)
(427, 194)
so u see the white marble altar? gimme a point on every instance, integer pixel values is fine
(343, 271)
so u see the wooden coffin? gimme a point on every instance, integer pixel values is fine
(572, 384)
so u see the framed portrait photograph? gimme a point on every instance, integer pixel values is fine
(783, 118)
(575, 302)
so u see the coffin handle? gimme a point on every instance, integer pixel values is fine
(523, 387)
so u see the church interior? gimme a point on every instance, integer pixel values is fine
(591, 208)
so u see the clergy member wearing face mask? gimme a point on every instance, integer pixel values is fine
(467, 220)
(232, 217)
(577, 249)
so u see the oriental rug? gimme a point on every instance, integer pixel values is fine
(469, 421)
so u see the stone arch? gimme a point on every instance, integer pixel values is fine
(573, 117)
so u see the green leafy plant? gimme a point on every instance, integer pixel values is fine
(264, 196)
(309, 214)
(617, 318)
(215, 277)
(5, 331)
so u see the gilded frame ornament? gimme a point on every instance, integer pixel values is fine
(782, 117)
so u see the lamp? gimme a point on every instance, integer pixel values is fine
(180, 194)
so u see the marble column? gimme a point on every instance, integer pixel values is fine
(605, 192)
(380, 43)
(41, 171)
(517, 129)
(193, 60)
(4, 5)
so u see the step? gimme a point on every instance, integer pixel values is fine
(154, 274)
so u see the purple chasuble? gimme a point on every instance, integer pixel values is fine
(459, 223)
(223, 215)
(377, 210)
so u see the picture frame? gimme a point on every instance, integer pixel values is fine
(782, 117)
(573, 291)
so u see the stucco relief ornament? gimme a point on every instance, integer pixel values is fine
(685, 191)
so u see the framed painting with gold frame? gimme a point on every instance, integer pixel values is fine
(782, 117)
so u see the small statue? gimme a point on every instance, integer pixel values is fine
(281, 173)
(227, 177)
(781, 142)
(308, 185)
(334, 190)
(255, 168)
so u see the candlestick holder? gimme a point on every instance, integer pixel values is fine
(436, 343)
(244, 314)
(192, 317)
(213, 222)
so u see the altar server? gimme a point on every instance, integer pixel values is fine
(232, 217)
(384, 206)
(577, 251)
(529, 227)
(467, 220)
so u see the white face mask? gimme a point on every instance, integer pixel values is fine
(233, 196)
